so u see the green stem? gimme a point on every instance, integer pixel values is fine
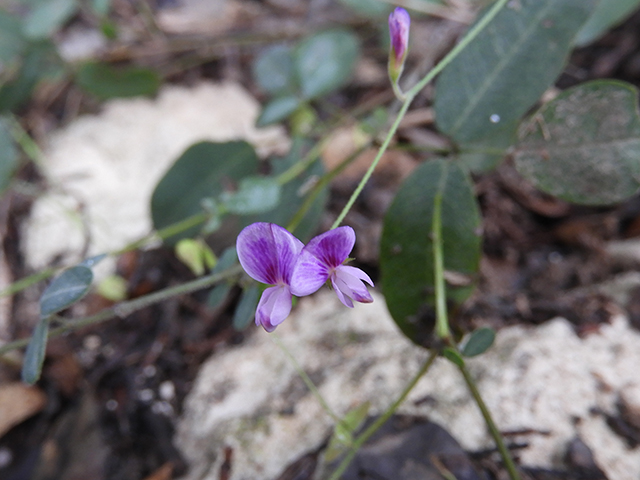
(442, 322)
(126, 308)
(493, 429)
(411, 94)
(364, 436)
(305, 378)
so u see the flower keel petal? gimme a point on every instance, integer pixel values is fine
(274, 307)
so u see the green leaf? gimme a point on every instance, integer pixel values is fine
(255, 195)
(453, 356)
(505, 70)
(273, 70)
(47, 16)
(607, 14)
(406, 247)
(246, 309)
(100, 7)
(277, 110)
(12, 42)
(200, 172)
(65, 290)
(479, 342)
(218, 294)
(8, 155)
(486, 154)
(324, 61)
(584, 146)
(34, 355)
(105, 81)
(113, 287)
(195, 254)
(227, 260)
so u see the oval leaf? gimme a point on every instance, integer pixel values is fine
(47, 16)
(254, 195)
(453, 356)
(246, 309)
(34, 355)
(199, 173)
(65, 290)
(584, 146)
(505, 70)
(479, 342)
(606, 15)
(218, 294)
(273, 70)
(324, 62)
(277, 110)
(406, 248)
(106, 82)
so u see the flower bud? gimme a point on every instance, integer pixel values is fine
(399, 22)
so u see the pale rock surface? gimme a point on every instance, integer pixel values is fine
(103, 168)
(250, 398)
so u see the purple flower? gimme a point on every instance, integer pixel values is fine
(321, 259)
(399, 22)
(268, 254)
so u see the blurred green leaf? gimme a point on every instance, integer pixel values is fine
(273, 70)
(65, 290)
(246, 309)
(255, 195)
(34, 355)
(324, 62)
(505, 70)
(606, 15)
(200, 172)
(196, 255)
(344, 430)
(453, 356)
(584, 146)
(113, 287)
(47, 16)
(406, 247)
(8, 155)
(40, 60)
(487, 153)
(105, 81)
(11, 40)
(100, 7)
(479, 342)
(227, 260)
(277, 110)
(218, 294)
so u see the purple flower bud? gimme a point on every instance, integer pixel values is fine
(268, 253)
(399, 22)
(322, 259)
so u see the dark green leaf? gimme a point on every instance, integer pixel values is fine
(65, 290)
(479, 342)
(607, 14)
(324, 61)
(93, 261)
(246, 309)
(453, 356)
(218, 294)
(273, 70)
(584, 146)
(105, 81)
(11, 40)
(8, 155)
(406, 249)
(277, 110)
(505, 70)
(200, 172)
(34, 355)
(255, 195)
(227, 260)
(486, 154)
(47, 16)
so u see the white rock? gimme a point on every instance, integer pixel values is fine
(103, 168)
(250, 398)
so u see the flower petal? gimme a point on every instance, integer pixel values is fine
(348, 281)
(333, 247)
(309, 274)
(338, 287)
(274, 307)
(268, 252)
(399, 23)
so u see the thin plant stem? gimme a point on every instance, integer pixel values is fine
(442, 323)
(305, 378)
(493, 429)
(411, 94)
(126, 308)
(364, 436)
